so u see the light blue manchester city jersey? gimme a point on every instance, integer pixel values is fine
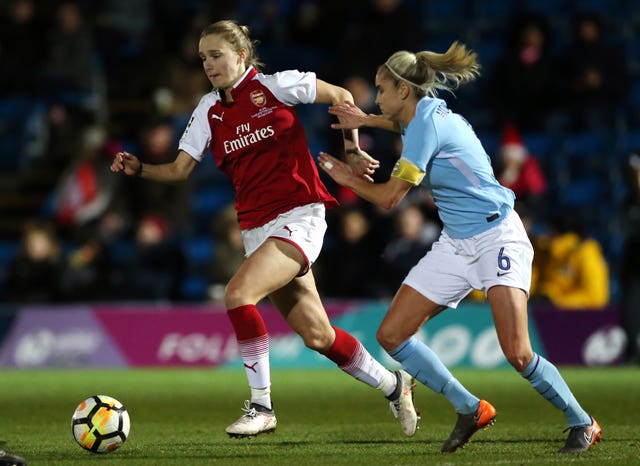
(458, 171)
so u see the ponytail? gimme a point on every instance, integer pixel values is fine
(427, 72)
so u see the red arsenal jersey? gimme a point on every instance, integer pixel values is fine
(259, 143)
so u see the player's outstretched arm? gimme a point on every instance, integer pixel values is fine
(386, 195)
(178, 170)
(351, 116)
(361, 163)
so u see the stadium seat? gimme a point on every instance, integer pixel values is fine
(490, 10)
(549, 8)
(584, 191)
(452, 9)
(208, 200)
(8, 251)
(14, 113)
(199, 250)
(121, 250)
(540, 144)
(604, 7)
(489, 51)
(194, 288)
(584, 143)
(627, 142)
(490, 141)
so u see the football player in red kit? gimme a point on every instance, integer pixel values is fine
(250, 125)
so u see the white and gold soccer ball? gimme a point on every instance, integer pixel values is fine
(100, 424)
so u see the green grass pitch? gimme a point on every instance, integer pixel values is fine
(178, 417)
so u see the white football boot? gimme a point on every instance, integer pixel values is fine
(402, 406)
(256, 420)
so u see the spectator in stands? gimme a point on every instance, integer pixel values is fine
(33, 276)
(518, 169)
(630, 260)
(596, 76)
(22, 45)
(123, 38)
(69, 67)
(186, 83)
(86, 190)
(575, 274)
(264, 17)
(310, 20)
(157, 145)
(155, 268)
(353, 251)
(85, 276)
(522, 83)
(414, 234)
(228, 251)
(402, 28)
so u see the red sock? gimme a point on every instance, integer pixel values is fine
(253, 344)
(247, 322)
(343, 349)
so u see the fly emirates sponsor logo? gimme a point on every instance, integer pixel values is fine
(247, 137)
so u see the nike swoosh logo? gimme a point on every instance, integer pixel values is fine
(589, 438)
(477, 416)
(503, 273)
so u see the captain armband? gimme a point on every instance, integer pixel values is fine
(408, 172)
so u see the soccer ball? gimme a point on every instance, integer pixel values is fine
(100, 424)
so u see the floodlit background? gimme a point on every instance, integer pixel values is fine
(557, 109)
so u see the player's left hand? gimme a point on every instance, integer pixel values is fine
(362, 163)
(335, 168)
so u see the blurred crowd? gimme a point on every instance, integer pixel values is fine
(557, 108)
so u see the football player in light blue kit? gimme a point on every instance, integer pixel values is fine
(483, 244)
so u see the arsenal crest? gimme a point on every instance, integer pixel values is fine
(258, 98)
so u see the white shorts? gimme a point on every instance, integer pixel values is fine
(303, 226)
(501, 255)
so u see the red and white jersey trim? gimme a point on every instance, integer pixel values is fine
(258, 141)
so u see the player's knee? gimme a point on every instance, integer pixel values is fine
(234, 295)
(241, 290)
(388, 338)
(519, 360)
(317, 340)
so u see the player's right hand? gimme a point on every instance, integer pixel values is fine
(349, 115)
(125, 162)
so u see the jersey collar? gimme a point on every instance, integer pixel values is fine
(244, 79)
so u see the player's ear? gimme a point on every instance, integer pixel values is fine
(242, 55)
(405, 90)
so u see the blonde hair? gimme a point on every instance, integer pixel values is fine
(427, 72)
(238, 36)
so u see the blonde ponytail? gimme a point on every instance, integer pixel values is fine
(429, 71)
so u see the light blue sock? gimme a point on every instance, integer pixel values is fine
(422, 363)
(546, 379)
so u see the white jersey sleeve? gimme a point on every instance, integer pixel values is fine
(291, 87)
(196, 137)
